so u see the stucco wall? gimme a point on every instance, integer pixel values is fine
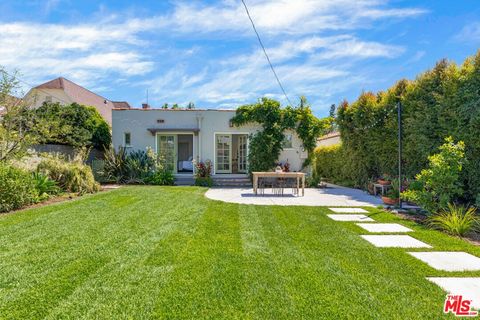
(137, 121)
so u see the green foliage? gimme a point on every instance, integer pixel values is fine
(441, 102)
(265, 146)
(45, 186)
(203, 171)
(135, 167)
(71, 176)
(329, 162)
(441, 180)
(16, 121)
(73, 124)
(160, 178)
(17, 188)
(455, 220)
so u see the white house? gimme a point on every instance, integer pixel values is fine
(185, 135)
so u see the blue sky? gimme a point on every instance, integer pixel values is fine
(206, 51)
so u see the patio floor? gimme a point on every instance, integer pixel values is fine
(331, 196)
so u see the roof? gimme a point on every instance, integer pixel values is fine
(121, 105)
(329, 135)
(173, 110)
(78, 93)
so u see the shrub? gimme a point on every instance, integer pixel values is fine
(441, 180)
(455, 220)
(17, 188)
(129, 167)
(160, 178)
(45, 186)
(329, 162)
(203, 171)
(71, 176)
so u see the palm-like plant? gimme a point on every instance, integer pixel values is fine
(455, 220)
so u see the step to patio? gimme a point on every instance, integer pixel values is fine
(184, 180)
(239, 182)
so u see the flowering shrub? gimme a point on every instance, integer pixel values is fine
(203, 171)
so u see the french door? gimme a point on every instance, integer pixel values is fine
(167, 151)
(223, 156)
(242, 153)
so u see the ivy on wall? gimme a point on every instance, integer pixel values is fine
(265, 145)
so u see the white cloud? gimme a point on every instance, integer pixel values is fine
(470, 33)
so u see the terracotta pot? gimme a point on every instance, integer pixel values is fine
(390, 201)
(384, 182)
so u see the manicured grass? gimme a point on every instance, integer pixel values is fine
(155, 252)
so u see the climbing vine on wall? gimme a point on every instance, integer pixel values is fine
(265, 145)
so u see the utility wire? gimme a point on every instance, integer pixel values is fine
(265, 52)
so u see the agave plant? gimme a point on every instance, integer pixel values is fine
(44, 185)
(455, 220)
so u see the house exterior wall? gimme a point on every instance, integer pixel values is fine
(329, 141)
(209, 122)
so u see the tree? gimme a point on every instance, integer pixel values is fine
(165, 106)
(175, 106)
(191, 105)
(15, 120)
(333, 111)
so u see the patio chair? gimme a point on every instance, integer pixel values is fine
(292, 183)
(278, 186)
(265, 183)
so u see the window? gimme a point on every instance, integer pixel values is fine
(287, 141)
(127, 139)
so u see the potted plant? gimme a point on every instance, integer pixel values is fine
(391, 197)
(385, 180)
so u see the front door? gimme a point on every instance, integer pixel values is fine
(167, 151)
(242, 153)
(223, 161)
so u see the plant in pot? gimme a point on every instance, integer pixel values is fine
(391, 197)
(385, 180)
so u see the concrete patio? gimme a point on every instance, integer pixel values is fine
(331, 196)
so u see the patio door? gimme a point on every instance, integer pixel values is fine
(242, 153)
(167, 150)
(223, 156)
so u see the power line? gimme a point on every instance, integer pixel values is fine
(265, 52)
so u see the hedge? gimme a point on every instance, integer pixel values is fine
(441, 102)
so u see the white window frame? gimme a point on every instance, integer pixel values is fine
(285, 139)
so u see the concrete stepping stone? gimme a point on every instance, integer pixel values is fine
(468, 288)
(349, 217)
(348, 210)
(383, 227)
(449, 261)
(395, 241)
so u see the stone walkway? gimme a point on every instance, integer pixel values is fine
(468, 288)
(331, 196)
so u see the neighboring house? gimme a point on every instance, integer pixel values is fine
(9, 101)
(185, 135)
(329, 139)
(65, 91)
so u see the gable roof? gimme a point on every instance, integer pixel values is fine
(121, 105)
(77, 93)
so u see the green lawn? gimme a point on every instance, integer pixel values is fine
(168, 252)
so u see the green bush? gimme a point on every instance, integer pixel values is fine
(71, 176)
(129, 167)
(440, 102)
(17, 188)
(74, 124)
(160, 178)
(440, 182)
(45, 186)
(455, 220)
(329, 163)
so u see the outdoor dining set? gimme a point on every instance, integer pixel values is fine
(279, 182)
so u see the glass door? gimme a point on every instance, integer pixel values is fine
(242, 153)
(167, 151)
(223, 145)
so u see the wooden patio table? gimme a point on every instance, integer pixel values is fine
(298, 175)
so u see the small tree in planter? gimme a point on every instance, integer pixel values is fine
(203, 171)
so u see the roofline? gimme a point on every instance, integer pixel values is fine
(329, 136)
(62, 79)
(174, 110)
